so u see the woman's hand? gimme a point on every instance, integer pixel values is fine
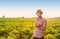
(38, 25)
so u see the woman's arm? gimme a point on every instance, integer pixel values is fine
(36, 24)
(44, 25)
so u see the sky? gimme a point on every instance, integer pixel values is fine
(28, 8)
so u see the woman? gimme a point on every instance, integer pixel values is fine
(40, 26)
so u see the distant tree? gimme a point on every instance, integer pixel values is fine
(3, 16)
(22, 17)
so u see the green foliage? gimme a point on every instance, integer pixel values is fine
(22, 28)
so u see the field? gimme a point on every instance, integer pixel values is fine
(22, 28)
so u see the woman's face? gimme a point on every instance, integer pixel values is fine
(39, 15)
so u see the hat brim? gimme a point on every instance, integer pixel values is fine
(39, 12)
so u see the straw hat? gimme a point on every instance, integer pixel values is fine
(39, 11)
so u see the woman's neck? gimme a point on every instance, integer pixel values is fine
(40, 17)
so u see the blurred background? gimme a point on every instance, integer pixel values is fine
(17, 18)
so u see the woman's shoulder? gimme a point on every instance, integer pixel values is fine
(36, 19)
(44, 19)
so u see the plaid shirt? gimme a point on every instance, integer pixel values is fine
(39, 32)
